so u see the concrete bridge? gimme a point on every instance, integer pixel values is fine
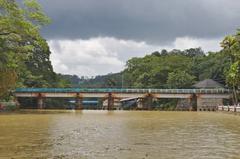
(203, 97)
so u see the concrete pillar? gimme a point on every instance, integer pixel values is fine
(79, 105)
(199, 103)
(140, 103)
(110, 99)
(40, 102)
(190, 104)
(148, 102)
(194, 102)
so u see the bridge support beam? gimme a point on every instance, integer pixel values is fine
(40, 101)
(148, 102)
(79, 105)
(190, 103)
(110, 99)
(140, 103)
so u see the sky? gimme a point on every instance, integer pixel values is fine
(97, 37)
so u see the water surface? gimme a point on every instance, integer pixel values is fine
(120, 134)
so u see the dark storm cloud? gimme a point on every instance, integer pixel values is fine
(148, 20)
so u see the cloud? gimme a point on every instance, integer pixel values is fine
(153, 21)
(92, 37)
(103, 55)
(206, 44)
(83, 57)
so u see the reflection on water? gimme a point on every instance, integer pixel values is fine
(102, 134)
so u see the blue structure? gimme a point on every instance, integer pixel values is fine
(119, 90)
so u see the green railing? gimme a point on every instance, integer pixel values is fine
(121, 90)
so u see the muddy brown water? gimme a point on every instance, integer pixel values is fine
(119, 134)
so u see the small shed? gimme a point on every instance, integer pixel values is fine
(208, 84)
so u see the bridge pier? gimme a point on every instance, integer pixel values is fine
(40, 101)
(110, 99)
(148, 102)
(140, 103)
(190, 103)
(79, 105)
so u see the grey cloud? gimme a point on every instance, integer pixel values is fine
(153, 21)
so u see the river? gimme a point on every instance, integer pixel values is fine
(119, 134)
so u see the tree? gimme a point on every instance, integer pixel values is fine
(180, 79)
(164, 52)
(7, 81)
(193, 52)
(233, 75)
(110, 82)
(156, 53)
(40, 70)
(19, 37)
(19, 31)
(231, 47)
(211, 66)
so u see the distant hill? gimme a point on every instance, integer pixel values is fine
(113, 80)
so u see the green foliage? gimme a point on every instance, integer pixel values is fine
(33, 12)
(158, 69)
(231, 49)
(19, 32)
(10, 106)
(212, 66)
(233, 75)
(113, 80)
(7, 81)
(180, 79)
(24, 54)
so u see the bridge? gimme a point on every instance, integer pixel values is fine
(203, 97)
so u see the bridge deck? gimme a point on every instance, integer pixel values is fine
(121, 90)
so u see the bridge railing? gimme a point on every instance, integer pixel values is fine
(120, 90)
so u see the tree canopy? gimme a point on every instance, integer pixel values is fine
(24, 53)
(231, 49)
(19, 31)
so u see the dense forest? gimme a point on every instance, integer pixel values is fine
(25, 59)
(173, 69)
(24, 53)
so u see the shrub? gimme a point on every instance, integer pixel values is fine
(9, 106)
